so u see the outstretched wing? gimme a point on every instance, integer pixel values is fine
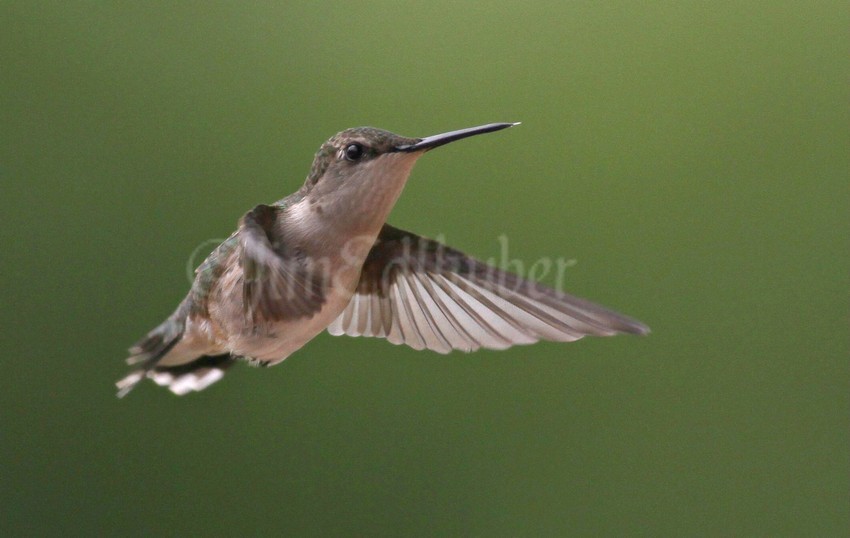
(279, 281)
(421, 293)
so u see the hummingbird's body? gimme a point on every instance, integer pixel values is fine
(323, 257)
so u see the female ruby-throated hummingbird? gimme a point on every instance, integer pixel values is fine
(324, 258)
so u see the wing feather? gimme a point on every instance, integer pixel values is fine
(418, 292)
(279, 281)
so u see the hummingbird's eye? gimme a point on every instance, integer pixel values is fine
(353, 152)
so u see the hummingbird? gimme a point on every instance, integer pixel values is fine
(324, 258)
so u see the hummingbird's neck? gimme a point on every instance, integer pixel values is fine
(337, 209)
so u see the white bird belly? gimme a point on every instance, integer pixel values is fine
(280, 339)
(273, 341)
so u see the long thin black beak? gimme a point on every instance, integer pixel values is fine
(431, 142)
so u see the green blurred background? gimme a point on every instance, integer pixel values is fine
(692, 157)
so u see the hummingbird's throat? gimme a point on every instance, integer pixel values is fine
(356, 203)
(365, 199)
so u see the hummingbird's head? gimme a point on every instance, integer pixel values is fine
(360, 172)
(367, 151)
(361, 151)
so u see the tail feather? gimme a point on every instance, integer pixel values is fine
(193, 376)
(157, 343)
(180, 379)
